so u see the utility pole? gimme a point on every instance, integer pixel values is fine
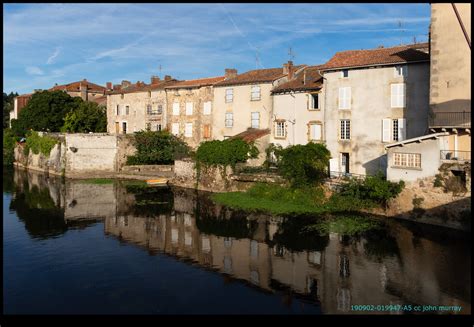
(160, 71)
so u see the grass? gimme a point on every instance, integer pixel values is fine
(99, 181)
(281, 200)
(345, 225)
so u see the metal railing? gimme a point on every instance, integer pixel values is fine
(455, 155)
(339, 174)
(451, 119)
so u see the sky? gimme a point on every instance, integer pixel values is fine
(44, 44)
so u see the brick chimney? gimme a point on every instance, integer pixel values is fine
(289, 69)
(155, 80)
(167, 78)
(126, 84)
(230, 73)
(117, 87)
(83, 89)
(108, 85)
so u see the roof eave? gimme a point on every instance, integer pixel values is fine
(372, 65)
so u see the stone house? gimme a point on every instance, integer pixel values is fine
(190, 109)
(374, 98)
(140, 106)
(243, 101)
(298, 109)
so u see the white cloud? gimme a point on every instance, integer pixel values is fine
(33, 70)
(53, 56)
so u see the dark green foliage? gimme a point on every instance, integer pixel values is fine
(157, 147)
(438, 182)
(273, 155)
(292, 235)
(373, 188)
(7, 107)
(225, 153)
(304, 164)
(88, 117)
(39, 144)
(236, 227)
(417, 202)
(45, 111)
(9, 142)
(344, 225)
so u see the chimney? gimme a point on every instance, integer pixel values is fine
(304, 77)
(109, 86)
(83, 89)
(126, 84)
(167, 78)
(84, 80)
(230, 73)
(155, 80)
(380, 47)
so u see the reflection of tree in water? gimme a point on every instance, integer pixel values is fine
(236, 226)
(380, 244)
(149, 201)
(290, 236)
(8, 179)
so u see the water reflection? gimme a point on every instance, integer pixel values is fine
(399, 264)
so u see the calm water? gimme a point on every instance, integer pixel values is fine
(72, 247)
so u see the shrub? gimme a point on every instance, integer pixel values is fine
(417, 202)
(157, 147)
(455, 185)
(374, 188)
(304, 164)
(225, 153)
(88, 117)
(39, 144)
(9, 141)
(273, 155)
(438, 182)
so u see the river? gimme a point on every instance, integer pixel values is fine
(72, 247)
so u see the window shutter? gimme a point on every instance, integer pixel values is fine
(315, 132)
(402, 90)
(334, 165)
(189, 108)
(307, 101)
(393, 95)
(175, 108)
(207, 108)
(402, 130)
(175, 128)
(341, 98)
(348, 98)
(386, 130)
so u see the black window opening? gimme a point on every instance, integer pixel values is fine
(345, 73)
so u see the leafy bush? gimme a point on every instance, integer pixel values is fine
(39, 144)
(88, 117)
(9, 141)
(157, 147)
(304, 164)
(373, 188)
(455, 185)
(438, 182)
(273, 155)
(225, 153)
(417, 202)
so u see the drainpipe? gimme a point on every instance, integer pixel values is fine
(324, 109)
(462, 25)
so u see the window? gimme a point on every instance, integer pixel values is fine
(188, 129)
(207, 108)
(254, 249)
(206, 244)
(118, 110)
(314, 101)
(393, 130)
(229, 95)
(176, 109)
(229, 119)
(398, 95)
(344, 98)
(255, 92)
(345, 129)
(159, 109)
(124, 127)
(158, 127)
(148, 109)
(207, 131)
(411, 160)
(189, 108)
(175, 128)
(401, 71)
(315, 132)
(148, 126)
(345, 73)
(227, 264)
(255, 116)
(127, 110)
(314, 257)
(280, 129)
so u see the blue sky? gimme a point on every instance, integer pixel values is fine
(45, 44)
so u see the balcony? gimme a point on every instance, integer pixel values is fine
(451, 119)
(451, 155)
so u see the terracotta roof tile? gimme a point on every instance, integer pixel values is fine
(251, 134)
(312, 81)
(102, 100)
(197, 82)
(75, 87)
(144, 87)
(256, 76)
(379, 56)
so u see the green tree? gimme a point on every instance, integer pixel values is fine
(7, 107)
(45, 111)
(304, 164)
(88, 117)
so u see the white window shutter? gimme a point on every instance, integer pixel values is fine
(188, 130)
(315, 132)
(348, 97)
(402, 130)
(189, 108)
(333, 164)
(341, 98)
(176, 109)
(175, 128)
(393, 95)
(386, 130)
(402, 92)
(207, 108)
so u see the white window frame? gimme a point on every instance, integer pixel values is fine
(342, 73)
(229, 95)
(229, 119)
(189, 108)
(175, 128)
(397, 95)
(255, 93)
(345, 129)
(207, 108)
(345, 97)
(406, 160)
(176, 108)
(312, 102)
(311, 131)
(253, 119)
(389, 132)
(188, 129)
(280, 129)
